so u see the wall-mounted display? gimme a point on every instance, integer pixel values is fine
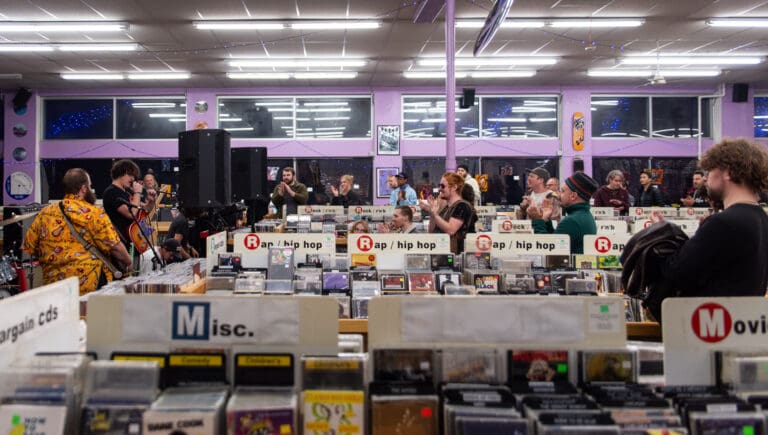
(388, 139)
(382, 187)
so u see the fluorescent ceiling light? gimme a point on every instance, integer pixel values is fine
(328, 103)
(542, 120)
(238, 25)
(507, 24)
(62, 26)
(331, 118)
(650, 73)
(283, 118)
(691, 60)
(152, 105)
(330, 128)
(159, 76)
(239, 128)
(92, 76)
(98, 47)
(529, 109)
(177, 119)
(506, 119)
(297, 63)
(325, 109)
(501, 74)
(167, 115)
(10, 76)
(258, 76)
(274, 103)
(738, 22)
(490, 61)
(430, 74)
(8, 48)
(559, 23)
(230, 119)
(605, 103)
(336, 25)
(595, 22)
(327, 75)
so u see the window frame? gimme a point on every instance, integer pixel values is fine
(402, 116)
(754, 113)
(295, 97)
(42, 121)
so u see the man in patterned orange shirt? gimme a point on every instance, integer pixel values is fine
(60, 254)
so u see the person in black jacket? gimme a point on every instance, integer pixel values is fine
(650, 195)
(728, 255)
(344, 195)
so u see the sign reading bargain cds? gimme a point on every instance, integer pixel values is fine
(390, 243)
(605, 244)
(511, 243)
(694, 327)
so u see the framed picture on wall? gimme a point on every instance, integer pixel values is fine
(382, 187)
(388, 139)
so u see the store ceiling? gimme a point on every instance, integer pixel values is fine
(169, 42)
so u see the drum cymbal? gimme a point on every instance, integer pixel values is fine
(18, 218)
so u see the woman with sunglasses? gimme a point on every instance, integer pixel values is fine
(452, 215)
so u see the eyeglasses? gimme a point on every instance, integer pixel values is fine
(442, 186)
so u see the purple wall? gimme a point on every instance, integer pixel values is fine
(736, 120)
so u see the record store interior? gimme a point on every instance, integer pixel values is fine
(267, 217)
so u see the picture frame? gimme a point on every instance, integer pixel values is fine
(382, 187)
(388, 140)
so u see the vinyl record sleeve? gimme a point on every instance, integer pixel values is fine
(469, 366)
(394, 282)
(420, 282)
(527, 366)
(415, 262)
(491, 426)
(112, 420)
(609, 366)
(412, 415)
(409, 365)
(333, 412)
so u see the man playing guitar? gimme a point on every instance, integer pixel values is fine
(122, 201)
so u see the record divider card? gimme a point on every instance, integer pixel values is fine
(504, 322)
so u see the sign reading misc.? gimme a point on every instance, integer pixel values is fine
(511, 243)
(605, 244)
(611, 227)
(513, 226)
(407, 243)
(321, 210)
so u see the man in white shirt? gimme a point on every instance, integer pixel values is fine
(463, 171)
(537, 178)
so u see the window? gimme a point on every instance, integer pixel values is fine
(676, 173)
(314, 117)
(619, 116)
(320, 174)
(424, 174)
(676, 117)
(520, 117)
(761, 116)
(507, 177)
(155, 118)
(333, 117)
(77, 119)
(424, 117)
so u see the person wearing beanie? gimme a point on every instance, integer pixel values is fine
(578, 221)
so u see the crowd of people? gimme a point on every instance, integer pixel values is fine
(95, 244)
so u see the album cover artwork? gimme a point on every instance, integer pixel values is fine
(364, 275)
(442, 261)
(446, 278)
(477, 260)
(335, 281)
(558, 261)
(608, 262)
(412, 415)
(543, 282)
(403, 365)
(419, 282)
(583, 261)
(321, 260)
(486, 282)
(612, 366)
(469, 366)
(363, 260)
(393, 282)
(538, 366)
(280, 263)
(519, 283)
(417, 262)
(334, 412)
(559, 278)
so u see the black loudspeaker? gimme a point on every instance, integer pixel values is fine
(249, 173)
(467, 99)
(740, 92)
(204, 168)
(578, 164)
(20, 99)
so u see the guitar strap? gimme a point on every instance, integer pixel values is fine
(117, 273)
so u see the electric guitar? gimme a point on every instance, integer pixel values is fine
(140, 226)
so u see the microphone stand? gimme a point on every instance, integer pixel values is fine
(146, 238)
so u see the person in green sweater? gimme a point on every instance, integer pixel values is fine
(578, 220)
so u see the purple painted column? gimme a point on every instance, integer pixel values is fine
(20, 153)
(738, 117)
(450, 86)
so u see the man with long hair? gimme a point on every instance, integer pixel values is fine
(454, 218)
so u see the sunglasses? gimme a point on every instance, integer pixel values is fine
(442, 186)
